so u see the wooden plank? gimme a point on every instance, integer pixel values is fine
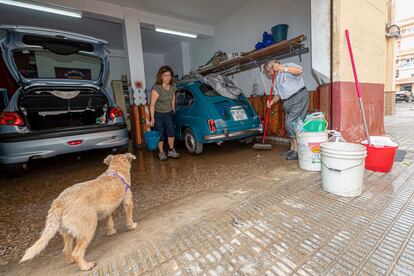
(279, 48)
(258, 106)
(142, 121)
(281, 129)
(223, 65)
(252, 65)
(277, 126)
(118, 91)
(276, 119)
(136, 128)
(313, 101)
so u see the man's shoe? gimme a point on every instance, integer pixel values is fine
(286, 153)
(173, 154)
(162, 156)
(292, 156)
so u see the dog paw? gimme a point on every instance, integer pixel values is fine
(132, 226)
(69, 259)
(111, 232)
(88, 266)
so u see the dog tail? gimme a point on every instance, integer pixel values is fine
(52, 226)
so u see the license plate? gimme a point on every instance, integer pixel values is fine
(238, 114)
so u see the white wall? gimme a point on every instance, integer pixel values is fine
(185, 47)
(321, 39)
(118, 66)
(243, 28)
(174, 59)
(152, 63)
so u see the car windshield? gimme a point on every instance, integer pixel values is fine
(207, 90)
(44, 64)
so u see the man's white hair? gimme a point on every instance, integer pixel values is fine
(269, 63)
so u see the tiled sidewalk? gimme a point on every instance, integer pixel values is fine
(296, 228)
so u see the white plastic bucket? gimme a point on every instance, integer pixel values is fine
(309, 150)
(343, 168)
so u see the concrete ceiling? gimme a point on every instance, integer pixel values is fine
(111, 32)
(152, 42)
(206, 12)
(159, 43)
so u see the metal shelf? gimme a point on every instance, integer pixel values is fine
(281, 50)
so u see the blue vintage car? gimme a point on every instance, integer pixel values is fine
(203, 116)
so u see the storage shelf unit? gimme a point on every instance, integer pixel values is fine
(127, 97)
(250, 60)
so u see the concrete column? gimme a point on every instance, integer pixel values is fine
(365, 21)
(389, 99)
(133, 47)
(185, 48)
(321, 40)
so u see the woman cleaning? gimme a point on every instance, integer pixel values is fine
(162, 108)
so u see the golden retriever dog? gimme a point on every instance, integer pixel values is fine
(76, 211)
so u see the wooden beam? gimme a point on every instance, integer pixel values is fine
(279, 48)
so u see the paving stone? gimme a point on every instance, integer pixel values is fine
(293, 228)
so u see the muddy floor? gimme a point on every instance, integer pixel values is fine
(24, 201)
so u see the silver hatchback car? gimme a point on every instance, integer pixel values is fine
(60, 106)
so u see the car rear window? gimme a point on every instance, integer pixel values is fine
(58, 45)
(207, 90)
(44, 64)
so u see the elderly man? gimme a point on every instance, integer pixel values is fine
(290, 89)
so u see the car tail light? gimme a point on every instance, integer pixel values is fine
(115, 112)
(212, 125)
(11, 119)
(75, 142)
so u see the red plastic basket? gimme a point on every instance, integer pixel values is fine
(380, 159)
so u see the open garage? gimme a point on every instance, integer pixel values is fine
(206, 123)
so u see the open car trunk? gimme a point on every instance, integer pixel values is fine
(63, 108)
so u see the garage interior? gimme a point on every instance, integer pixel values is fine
(231, 181)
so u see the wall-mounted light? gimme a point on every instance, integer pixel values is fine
(43, 8)
(167, 31)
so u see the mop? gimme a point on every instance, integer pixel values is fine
(263, 146)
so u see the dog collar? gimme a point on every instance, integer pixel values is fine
(127, 186)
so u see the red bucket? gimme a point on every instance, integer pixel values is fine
(380, 158)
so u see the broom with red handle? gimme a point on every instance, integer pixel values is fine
(263, 146)
(358, 89)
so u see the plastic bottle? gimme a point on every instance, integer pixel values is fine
(336, 138)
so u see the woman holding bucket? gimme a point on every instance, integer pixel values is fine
(290, 89)
(162, 108)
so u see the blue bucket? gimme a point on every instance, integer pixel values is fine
(279, 32)
(152, 138)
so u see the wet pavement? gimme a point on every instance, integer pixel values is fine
(25, 201)
(232, 210)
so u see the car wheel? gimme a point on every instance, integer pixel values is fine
(15, 170)
(248, 140)
(191, 143)
(120, 149)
